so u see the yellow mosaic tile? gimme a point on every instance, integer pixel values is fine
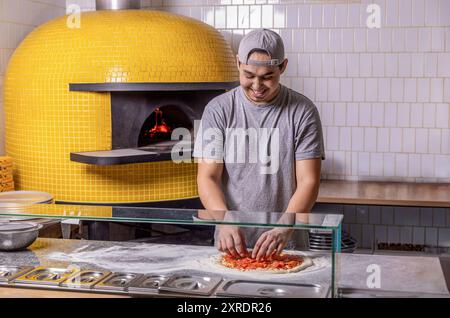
(45, 122)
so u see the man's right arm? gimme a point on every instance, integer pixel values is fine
(209, 180)
(208, 150)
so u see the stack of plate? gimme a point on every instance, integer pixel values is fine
(12, 202)
(25, 197)
(6, 174)
(321, 241)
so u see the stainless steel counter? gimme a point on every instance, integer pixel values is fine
(419, 274)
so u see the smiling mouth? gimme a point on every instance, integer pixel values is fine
(258, 93)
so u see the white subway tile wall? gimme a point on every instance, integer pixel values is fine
(418, 236)
(84, 5)
(431, 236)
(383, 93)
(17, 19)
(387, 224)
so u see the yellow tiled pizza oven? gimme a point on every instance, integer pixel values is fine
(80, 101)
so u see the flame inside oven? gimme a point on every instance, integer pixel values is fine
(158, 127)
(160, 130)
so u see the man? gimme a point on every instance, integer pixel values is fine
(281, 174)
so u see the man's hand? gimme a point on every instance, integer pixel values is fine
(231, 240)
(271, 242)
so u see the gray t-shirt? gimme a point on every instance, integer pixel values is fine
(259, 145)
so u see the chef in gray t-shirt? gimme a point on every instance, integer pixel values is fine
(260, 148)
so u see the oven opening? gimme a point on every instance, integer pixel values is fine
(156, 132)
(144, 120)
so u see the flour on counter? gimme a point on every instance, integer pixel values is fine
(138, 259)
(156, 258)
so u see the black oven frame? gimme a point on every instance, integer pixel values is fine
(132, 104)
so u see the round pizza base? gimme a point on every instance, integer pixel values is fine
(305, 264)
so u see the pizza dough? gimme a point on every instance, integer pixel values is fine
(287, 263)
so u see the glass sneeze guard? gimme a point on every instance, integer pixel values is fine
(318, 222)
(179, 216)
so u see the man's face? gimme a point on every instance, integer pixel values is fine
(260, 83)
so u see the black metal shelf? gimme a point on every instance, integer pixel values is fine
(120, 156)
(151, 87)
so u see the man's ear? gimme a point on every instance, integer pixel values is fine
(283, 66)
(238, 63)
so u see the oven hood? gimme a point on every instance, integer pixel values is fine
(117, 4)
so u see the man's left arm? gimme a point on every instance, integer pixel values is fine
(307, 174)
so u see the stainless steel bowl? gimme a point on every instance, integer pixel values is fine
(17, 235)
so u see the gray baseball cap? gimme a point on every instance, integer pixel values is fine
(265, 40)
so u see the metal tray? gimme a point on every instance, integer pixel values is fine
(85, 279)
(45, 276)
(148, 284)
(328, 247)
(248, 288)
(9, 273)
(322, 239)
(191, 284)
(118, 281)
